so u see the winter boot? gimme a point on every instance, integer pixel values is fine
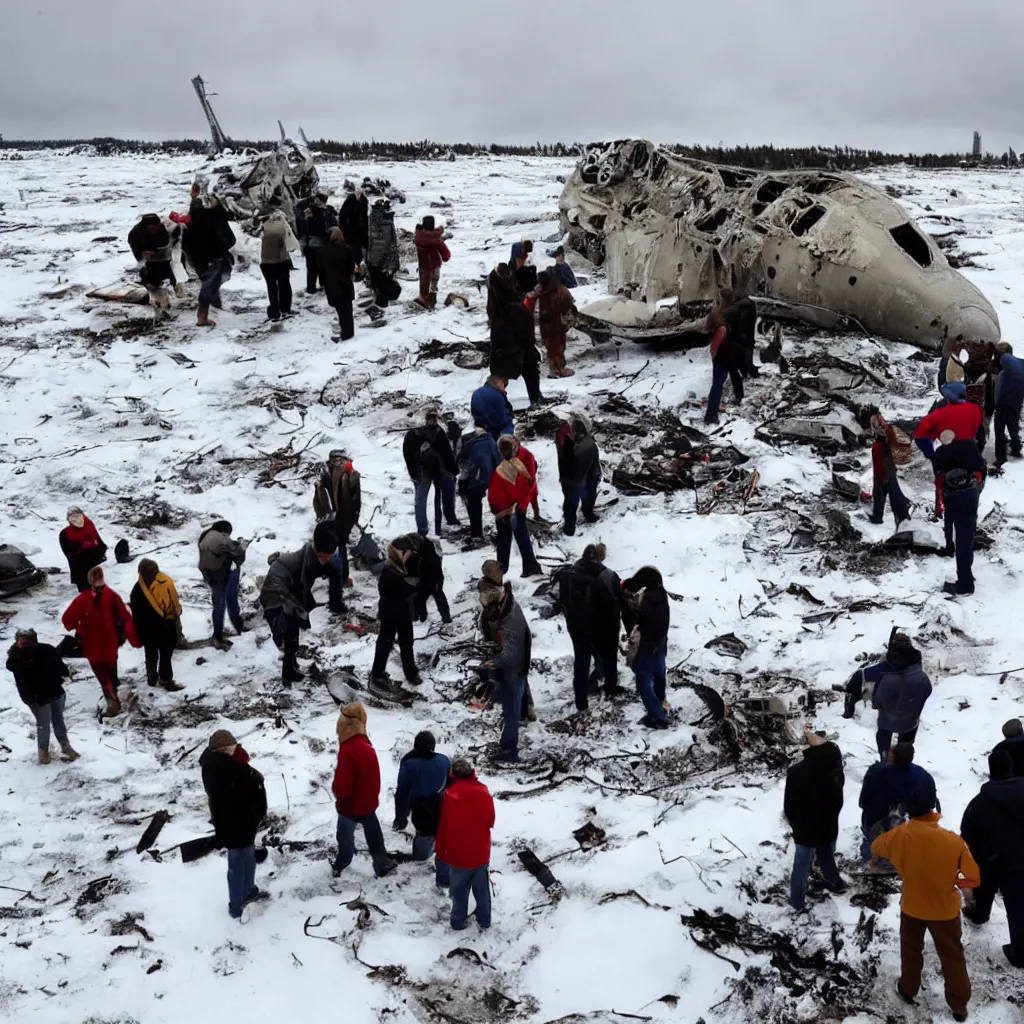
(69, 752)
(221, 644)
(203, 316)
(113, 708)
(44, 756)
(171, 686)
(291, 674)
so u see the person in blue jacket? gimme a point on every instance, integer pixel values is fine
(491, 409)
(422, 778)
(886, 790)
(1009, 399)
(562, 269)
(477, 460)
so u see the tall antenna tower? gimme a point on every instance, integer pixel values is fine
(220, 140)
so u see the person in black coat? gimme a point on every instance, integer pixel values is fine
(207, 243)
(354, 221)
(397, 593)
(645, 615)
(238, 803)
(337, 265)
(589, 596)
(511, 325)
(740, 322)
(993, 828)
(1013, 744)
(812, 802)
(425, 566)
(39, 675)
(431, 463)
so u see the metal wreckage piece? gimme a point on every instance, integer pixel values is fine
(819, 247)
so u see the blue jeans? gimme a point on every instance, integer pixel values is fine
(511, 694)
(420, 504)
(285, 631)
(44, 715)
(718, 378)
(649, 669)
(213, 276)
(422, 849)
(585, 495)
(961, 518)
(337, 573)
(225, 597)
(241, 878)
(464, 880)
(805, 857)
(897, 501)
(374, 840)
(514, 526)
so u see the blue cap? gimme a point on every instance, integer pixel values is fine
(955, 391)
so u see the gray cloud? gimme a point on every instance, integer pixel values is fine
(914, 75)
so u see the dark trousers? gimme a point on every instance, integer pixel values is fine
(213, 275)
(337, 574)
(961, 518)
(1011, 885)
(158, 660)
(514, 526)
(531, 377)
(474, 499)
(285, 630)
(225, 598)
(440, 599)
(802, 861)
(106, 673)
(883, 738)
(345, 322)
(279, 288)
(312, 267)
(1007, 419)
(511, 691)
(241, 878)
(585, 495)
(394, 623)
(946, 936)
(605, 654)
(464, 881)
(374, 840)
(897, 501)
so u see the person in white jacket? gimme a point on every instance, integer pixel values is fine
(276, 264)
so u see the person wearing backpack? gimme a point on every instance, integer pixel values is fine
(477, 460)
(589, 596)
(422, 777)
(208, 242)
(429, 460)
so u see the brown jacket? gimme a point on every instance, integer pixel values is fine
(556, 309)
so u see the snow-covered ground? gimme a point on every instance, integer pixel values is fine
(156, 432)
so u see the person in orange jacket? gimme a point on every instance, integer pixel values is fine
(103, 623)
(934, 864)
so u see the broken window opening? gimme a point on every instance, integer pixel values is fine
(807, 220)
(715, 221)
(597, 221)
(757, 209)
(819, 186)
(640, 156)
(731, 179)
(909, 239)
(771, 190)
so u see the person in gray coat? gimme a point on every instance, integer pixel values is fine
(287, 595)
(901, 688)
(579, 471)
(220, 559)
(512, 664)
(276, 265)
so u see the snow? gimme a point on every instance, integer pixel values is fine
(92, 414)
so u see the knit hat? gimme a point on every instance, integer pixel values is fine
(492, 571)
(424, 743)
(351, 722)
(74, 510)
(506, 446)
(222, 526)
(527, 245)
(1000, 765)
(148, 570)
(544, 278)
(337, 455)
(325, 539)
(222, 739)
(28, 633)
(428, 222)
(1012, 728)
(95, 572)
(922, 800)
(595, 553)
(461, 769)
(955, 391)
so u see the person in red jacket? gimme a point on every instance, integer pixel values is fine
(529, 460)
(357, 792)
(464, 843)
(82, 546)
(102, 623)
(964, 418)
(431, 252)
(510, 493)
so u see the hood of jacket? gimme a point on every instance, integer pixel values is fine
(1007, 795)
(901, 655)
(645, 578)
(351, 722)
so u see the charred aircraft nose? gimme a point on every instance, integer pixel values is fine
(966, 321)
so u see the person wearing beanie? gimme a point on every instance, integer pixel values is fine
(562, 269)
(337, 262)
(1009, 398)
(556, 313)
(964, 418)
(885, 792)
(422, 777)
(464, 843)
(397, 590)
(431, 252)
(431, 464)
(899, 690)
(812, 802)
(103, 624)
(238, 804)
(511, 491)
(935, 865)
(156, 611)
(339, 491)
(287, 595)
(513, 349)
(356, 789)
(579, 471)
(645, 616)
(993, 828)
(82, 546)
(220, 562)
(39, 675)
(207, 242)
(1013, 744)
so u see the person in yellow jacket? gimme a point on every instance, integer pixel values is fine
(935, 864)
(157, 614)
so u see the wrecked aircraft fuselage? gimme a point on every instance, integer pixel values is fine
(821, 243)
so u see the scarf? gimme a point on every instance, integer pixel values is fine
(512, 468)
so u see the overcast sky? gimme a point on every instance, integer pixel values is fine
(909, 75)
